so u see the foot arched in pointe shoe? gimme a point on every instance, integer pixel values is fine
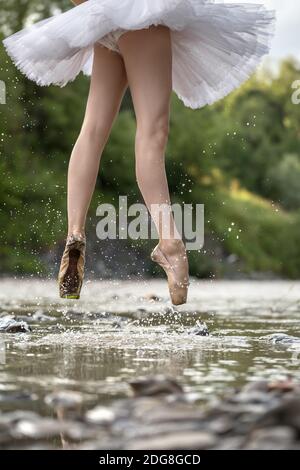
(175, 264)
(71, 270)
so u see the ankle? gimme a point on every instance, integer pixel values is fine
(172, 245)
(78, 233)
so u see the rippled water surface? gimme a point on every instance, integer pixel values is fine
(117, 332)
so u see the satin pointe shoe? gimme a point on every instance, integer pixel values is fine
(177, 272)
(71, 270)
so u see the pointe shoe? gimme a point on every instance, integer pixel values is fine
(71, 270)
(177, 274)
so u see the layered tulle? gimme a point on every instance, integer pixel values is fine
(215, 46)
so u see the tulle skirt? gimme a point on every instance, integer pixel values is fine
(215, 46)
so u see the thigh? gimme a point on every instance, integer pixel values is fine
(107, 87)
(147, 55)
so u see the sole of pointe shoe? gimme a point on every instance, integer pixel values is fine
(70, 296)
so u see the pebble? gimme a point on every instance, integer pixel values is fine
(188, 440)
(100, 415)
(12, 417)
(39, 316)
(39, 428)
(200, 329)
(277, 438)
(156, 385)
(286, 413)
(221, 425)
(166, 413)
(282, 385)
(281, 339)
(152, 298)
(17, 396)
(64, 399)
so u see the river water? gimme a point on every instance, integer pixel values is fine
(119, 330)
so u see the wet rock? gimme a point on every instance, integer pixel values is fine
(221, 425)
(100, 415)
(287, 413)
(171, 310)
(20, 318)
(102, 443)
(188, 440)
(40, 428)
(37, 446)
(258, 386)
(17, 396)
(200, 329)
(156, 385)
(148, 416)
(13, 417)
(236, 410)
(72, 313)
(230, 443)
(277, 438)
(119, 322)
(39, 316)
(281, 339)
(98, 315)
(79, 432)
(156, 412)
(64, 399)
(4, 314)
(148, 431)
(45, 428)
(263, 386)
(140, 314)
(286, 385)
(152, 298)
(117, 325)
(252, 397)
(9, 325)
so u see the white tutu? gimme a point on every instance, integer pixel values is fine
(215, 46)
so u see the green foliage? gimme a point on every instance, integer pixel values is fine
(284, 178)
(15, 14)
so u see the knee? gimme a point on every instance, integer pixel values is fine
(151, 139)
(95, 132)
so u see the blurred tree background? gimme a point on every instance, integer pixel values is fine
(239, 157)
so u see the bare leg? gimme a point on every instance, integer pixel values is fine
(147, 56)
(108, 84)
(148, 60)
